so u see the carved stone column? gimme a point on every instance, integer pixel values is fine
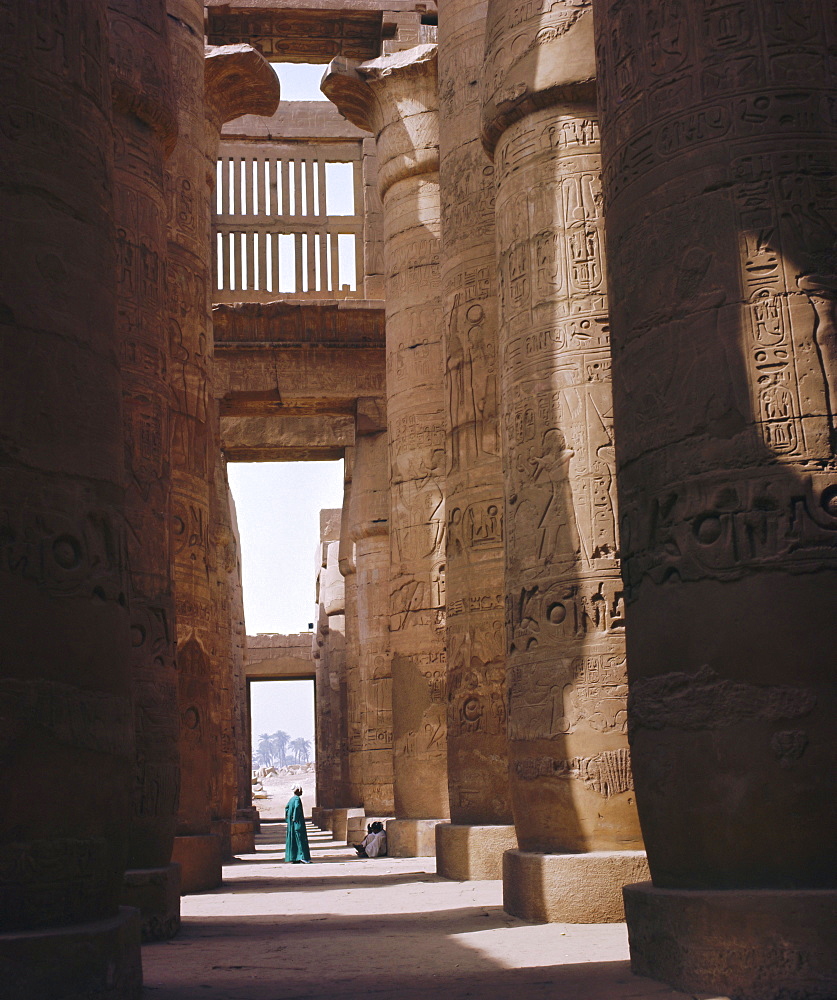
(237, 80)
(720, 143)
(394, 97)
(571, 781)
(481, 827)
(145, 130)
(65, 681)
(205, 100)
(368, 526)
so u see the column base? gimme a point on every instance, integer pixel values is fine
(472, 853)
(252, 816)
(315, 815)
(747, 944)
(95, 961)
(155, 892)
(324, 822)
(570, 888)
(339, 821)
(199, 858)
(356, 826)
(412, 838)
(237, 837)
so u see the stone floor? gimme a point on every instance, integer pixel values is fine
(385, 929)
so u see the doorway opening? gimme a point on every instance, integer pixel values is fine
(283, 741)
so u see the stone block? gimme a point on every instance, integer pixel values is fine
(467, 853)
(340, 819)
(94, 961)
(155, 892)
(748, 944)
(199, 858)
(412, 838)
(569, 888)
(356, 826)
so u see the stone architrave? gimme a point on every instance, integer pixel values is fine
(65, 681)
(571, 782)
(368, 527)
(395, 98)
(145, 129)
(481, 827)
(720, 142)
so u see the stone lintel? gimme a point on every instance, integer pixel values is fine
(271, 655)
(286, 321)
(751, 944)
(301, 121)
(570, 888)
(556, 69)
(238, 80)
(276, 437)
(370, 415)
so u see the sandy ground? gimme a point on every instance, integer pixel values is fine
(388, 929)
(279, 788)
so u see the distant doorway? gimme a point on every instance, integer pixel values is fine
(283, 744)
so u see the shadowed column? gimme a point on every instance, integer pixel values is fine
(65, 680)
(481, 829)
(394, 97)
(572, 788)
(145, 130)
(720, 144)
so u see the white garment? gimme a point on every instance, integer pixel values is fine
(375, 844)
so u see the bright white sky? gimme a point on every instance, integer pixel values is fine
(278, 507)
(300, 81)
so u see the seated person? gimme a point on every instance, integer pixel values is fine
(374, 844)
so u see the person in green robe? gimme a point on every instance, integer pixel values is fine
(296, 837)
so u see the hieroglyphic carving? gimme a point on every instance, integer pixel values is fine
(564, 615)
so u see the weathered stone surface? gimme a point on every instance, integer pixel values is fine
(570, 888)
(570, 770)
(65, 685)
(722, 348)
(466, 852)
(144, 126)
(756, 944)
(199, 857)
(155, 892)
(478, 778)
(367, 524)
(395, 98)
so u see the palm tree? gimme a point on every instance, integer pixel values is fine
(279, 745)
(264, 753)
(301, 749)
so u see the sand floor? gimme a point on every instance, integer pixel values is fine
(384, 929)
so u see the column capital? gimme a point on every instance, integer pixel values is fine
(238, 80)
(394, 97)
(547, 59)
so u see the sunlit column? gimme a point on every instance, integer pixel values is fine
(395, 98)
(481, 829)
(571, 782)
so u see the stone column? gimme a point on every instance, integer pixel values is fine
(572, 789)
(65, 682)
(192, 444)
(720, 144)
(395, 98)
(481, 827)
(236, 80)
(145, 129)
(368, 526)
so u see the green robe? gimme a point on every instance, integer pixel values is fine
(296, 838)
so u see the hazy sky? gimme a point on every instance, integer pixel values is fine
(278, 507)
(300, 81)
